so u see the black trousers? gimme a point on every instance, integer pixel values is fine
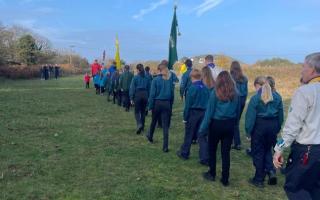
(263, 139)
(97, 88)
(162, 109)
(303, 180)
(191, 128)
(126, 100)
(220, 130)
(140, 104)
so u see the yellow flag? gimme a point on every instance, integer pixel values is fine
(183, 68)
(117, 57)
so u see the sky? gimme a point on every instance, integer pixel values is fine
(246, 30)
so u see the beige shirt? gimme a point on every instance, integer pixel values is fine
(303, 121)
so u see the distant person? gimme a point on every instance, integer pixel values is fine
(114, 87)
(186, 80)
(112, 68)
(95, 68)
(139, 93)
(51, 71)
(196, 101)
(242, 87)
(87, 80)
(301, 133)
(124, 83)
(215, 70)
(41, 72)
(56, 71)
(96, 82)
(220, 119)
(103, 82)
(149, 77)
(160, 103)
(264, 118)
(46, 72)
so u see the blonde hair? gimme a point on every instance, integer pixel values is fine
(266, 91)
(207, 77)
(164, 71)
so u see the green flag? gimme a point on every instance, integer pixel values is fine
(173, 55)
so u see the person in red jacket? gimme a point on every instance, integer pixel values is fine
(95, 68)
(87, 80)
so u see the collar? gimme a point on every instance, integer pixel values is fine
(211, 65)
(198, 83)
(315, 80)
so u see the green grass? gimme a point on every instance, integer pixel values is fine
(60, 141)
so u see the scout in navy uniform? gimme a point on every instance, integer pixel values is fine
(114, 87)
(124, 83)
(150, 77)
(302, 132)
(220, 119)
(160, 103)
(264, 118)
(96, 82)
(242, 87)
(186, 80)
(139, 93)
(194, 109)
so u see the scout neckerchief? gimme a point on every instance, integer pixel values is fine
(314, 80)
(211, 65)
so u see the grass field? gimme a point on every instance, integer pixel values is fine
(60, 141)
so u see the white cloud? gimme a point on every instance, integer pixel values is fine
(206, 6)
(151, 8)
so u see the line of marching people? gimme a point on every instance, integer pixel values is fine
(214, 100)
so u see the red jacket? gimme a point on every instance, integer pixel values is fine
(95, 68)
(86, 78)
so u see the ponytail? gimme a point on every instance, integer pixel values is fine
(266, 93)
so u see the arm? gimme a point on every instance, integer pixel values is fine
(250, 117)
(189, 101)
(280, 116)
(152, 95)
(208, 114)
(297, 114)
(132, 89)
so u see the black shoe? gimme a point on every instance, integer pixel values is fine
(224, 182)
(207, 175)
(149, 139)
(204, 162)
(139, 130)
(249, 152)
(181, 156)
(272, 178)
(165, 150)
(256, 183)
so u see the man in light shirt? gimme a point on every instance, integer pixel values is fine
(215, 70)
(302, 133)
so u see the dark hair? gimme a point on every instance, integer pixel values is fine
(236, 72)
(140, 69)
(147, 68)
(126, 67)
(209, 58)
(164, 62)
(225, 87)
(272, 83)
(188, 63)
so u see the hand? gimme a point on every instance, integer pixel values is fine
(249, 138)
(184, 121)
(277, 159)
(132, 103)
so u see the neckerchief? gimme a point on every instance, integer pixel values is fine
(314, 80)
